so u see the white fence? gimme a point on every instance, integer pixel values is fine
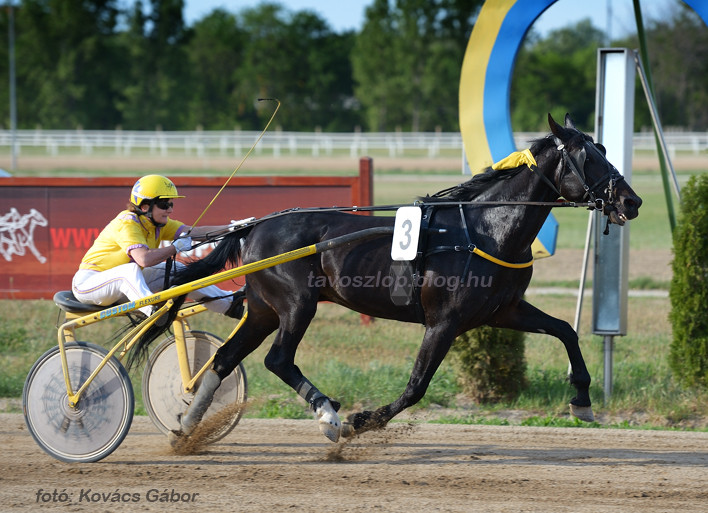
(279, 143)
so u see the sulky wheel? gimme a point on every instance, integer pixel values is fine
(100, 421)
(163, 394)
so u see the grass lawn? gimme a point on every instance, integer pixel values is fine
(368, 366)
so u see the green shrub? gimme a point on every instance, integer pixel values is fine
(490, 363)
(688, 356)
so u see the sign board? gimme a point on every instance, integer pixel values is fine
(406, 233)
(47, 224)
(614, 124)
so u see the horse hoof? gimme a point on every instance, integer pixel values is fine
(329, 422)
(174, 437)
(584, 413)
(348, 430)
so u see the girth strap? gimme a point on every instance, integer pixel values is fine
(419, 262)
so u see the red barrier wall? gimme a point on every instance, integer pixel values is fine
(47, 224)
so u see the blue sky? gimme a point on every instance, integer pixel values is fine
(349, 14)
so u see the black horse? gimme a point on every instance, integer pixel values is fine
(499, 212)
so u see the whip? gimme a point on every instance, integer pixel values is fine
(240, 163)
(168, 262)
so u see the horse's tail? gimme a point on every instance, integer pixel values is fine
(226, 252)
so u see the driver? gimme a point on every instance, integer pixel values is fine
(126, 260)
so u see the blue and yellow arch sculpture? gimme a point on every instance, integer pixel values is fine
(485, 86)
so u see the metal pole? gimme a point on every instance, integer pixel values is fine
(658, 130)
(609, 347)
(650, 86)
(583, 276)
(13, 103)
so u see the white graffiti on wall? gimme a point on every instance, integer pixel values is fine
(17, 233)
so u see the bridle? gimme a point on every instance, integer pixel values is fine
(576, 165)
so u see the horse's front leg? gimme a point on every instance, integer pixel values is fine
(436, 344)
(526, 317)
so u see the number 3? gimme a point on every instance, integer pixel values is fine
(408, 226)
(405, 235)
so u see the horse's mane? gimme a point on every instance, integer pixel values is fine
(483, 181)
(472, 188)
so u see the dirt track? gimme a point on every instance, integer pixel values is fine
(279, 465)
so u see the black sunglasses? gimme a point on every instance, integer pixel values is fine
(164, 204)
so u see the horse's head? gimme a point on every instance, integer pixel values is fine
(585, 174)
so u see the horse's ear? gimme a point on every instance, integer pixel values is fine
(556, 129)
(569, 122)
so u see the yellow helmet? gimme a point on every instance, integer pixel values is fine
(153, 186)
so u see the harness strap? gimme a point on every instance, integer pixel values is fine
(419, 262)
(570, 164)
(168, 270)
(473, 249)
(546, 180)
(467, 236)
(526, 158)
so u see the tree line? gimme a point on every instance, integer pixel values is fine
(96, 64)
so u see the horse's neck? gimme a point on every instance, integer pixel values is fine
(513, 228)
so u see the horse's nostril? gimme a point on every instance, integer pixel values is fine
(632, 203)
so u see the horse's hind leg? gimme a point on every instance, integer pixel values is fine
(526, 317)
(260, 322)
(281, 362)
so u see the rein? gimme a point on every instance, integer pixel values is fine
(567, 161)
(390, 208)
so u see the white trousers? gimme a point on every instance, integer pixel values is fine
(130, 282)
